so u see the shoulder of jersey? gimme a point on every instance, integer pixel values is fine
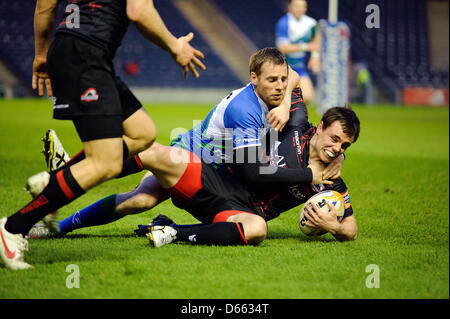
(242, 100)
(310, 20)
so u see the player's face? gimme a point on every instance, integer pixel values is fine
(270, 85)
(298, 8)
(331, 142)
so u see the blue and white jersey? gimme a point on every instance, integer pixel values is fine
(295, 31)
(239, 120)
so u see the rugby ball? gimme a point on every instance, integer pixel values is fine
(321, 199)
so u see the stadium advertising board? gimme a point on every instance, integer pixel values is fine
(333, 79)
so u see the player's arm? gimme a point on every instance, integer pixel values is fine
(279, 116)
(44, 22)
(347, 230)
(333, 169)
(287, 48)
(314, 61)
(149, 23)
(254, 172)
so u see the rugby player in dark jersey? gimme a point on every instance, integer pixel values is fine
(233, 213)
(297, 146)
(76, 68)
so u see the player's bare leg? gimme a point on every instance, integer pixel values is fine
(166, 163)
(139, 131)
(145, 196)
(103, 161)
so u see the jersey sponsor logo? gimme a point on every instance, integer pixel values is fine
(89, 95)
(60, 106)
(57, 106)
(297, 143)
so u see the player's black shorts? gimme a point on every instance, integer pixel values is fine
(87, 90)
(205, 191)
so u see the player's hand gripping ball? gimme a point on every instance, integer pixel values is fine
(321, 199)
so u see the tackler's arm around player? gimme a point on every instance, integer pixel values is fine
(264, 174)
(333, 169)
(345, 230)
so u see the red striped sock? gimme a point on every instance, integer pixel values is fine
(61, 190)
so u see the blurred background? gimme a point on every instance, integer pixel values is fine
(406, 58)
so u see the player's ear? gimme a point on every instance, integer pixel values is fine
(254, 78)
(320, 126)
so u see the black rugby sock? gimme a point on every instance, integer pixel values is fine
(131, 166)
(60, 191)
(220, 233)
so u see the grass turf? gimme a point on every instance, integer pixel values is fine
(397, 173)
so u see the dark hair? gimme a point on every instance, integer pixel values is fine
(346, 116)
(272, 55)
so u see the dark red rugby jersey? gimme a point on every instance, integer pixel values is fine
(101, 22)
(292, 150)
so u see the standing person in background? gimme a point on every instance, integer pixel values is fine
(76, 67)
(295, 35)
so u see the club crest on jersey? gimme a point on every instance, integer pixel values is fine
(89, 95)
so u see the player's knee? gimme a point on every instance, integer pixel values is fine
(142, 142)
(147, 137)
(256, 231)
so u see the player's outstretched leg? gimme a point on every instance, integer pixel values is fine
(102, 162)
(145, 196)
(228, 228)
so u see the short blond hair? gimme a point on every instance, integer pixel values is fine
(272, 55)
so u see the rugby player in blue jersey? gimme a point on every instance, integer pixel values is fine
(245, 105)
(296, 35)
(235, 203)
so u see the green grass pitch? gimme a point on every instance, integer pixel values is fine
(397, 173)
